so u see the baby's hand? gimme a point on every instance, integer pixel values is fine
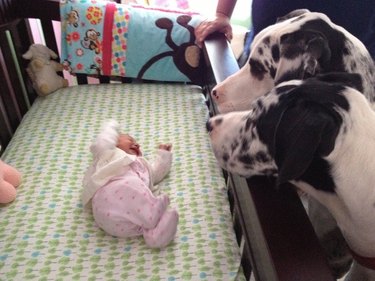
(166, 146)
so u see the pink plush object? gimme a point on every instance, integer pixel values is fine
(10, 178)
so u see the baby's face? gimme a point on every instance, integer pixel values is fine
(129, 145)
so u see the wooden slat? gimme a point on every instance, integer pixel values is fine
(40, 9)
(81, 79)
(221, 58)
(255, 244)
(49, 34)
(8, 68)
(22, 39)
(11, 84)
(7, 12)
(126, 80)
(290, 237)
(5, 131)
(104, 79)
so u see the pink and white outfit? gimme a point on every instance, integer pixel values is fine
(121, 189)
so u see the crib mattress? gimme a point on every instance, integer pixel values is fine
(46, 234)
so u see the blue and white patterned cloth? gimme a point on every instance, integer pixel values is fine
(105, 38)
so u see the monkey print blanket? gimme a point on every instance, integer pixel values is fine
(106, 38)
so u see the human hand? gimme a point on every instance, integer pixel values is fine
(166, 146)
(220, 23)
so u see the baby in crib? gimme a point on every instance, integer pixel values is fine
(121, 187)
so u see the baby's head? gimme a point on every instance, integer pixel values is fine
(128, 144)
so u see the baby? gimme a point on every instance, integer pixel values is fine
(121, 187)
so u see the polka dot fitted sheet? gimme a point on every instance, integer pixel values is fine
(46, 234)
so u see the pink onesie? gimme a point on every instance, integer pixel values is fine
(122, 190)
(126, 207)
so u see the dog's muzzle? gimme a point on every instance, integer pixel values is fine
(214, 94)
(209, 126)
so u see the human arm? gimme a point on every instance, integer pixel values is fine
(220, 22)
(225, 7)
(162, 162)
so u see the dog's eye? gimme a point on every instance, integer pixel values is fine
(275, 53)
(257, 68)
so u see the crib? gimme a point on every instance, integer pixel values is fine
(230, 228)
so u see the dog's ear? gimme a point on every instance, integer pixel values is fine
(353, 80)
(313, 49)
(292, 14)
(317, 53)
(305, 131)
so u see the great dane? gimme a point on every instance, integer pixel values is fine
(300, 45)
(319, 134)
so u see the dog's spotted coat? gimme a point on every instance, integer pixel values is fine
(295, 48)
(319, 134)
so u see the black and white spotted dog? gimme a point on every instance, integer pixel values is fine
(302, 44)
(318, 134)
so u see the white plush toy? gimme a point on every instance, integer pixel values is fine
(42, 70)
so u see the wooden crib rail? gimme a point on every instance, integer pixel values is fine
(15, 91)
(46, 11)
(278, 240)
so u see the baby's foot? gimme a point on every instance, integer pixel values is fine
(166, 146)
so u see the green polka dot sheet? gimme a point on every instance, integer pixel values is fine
(46, 233)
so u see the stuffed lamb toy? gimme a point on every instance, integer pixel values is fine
(42, 70)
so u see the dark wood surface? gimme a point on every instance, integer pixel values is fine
(220, 57)
(13, 89)
(291, 240)
(7, 11)
(40, 9)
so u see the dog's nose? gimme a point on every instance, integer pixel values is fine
(209, 126)
(214, 94)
